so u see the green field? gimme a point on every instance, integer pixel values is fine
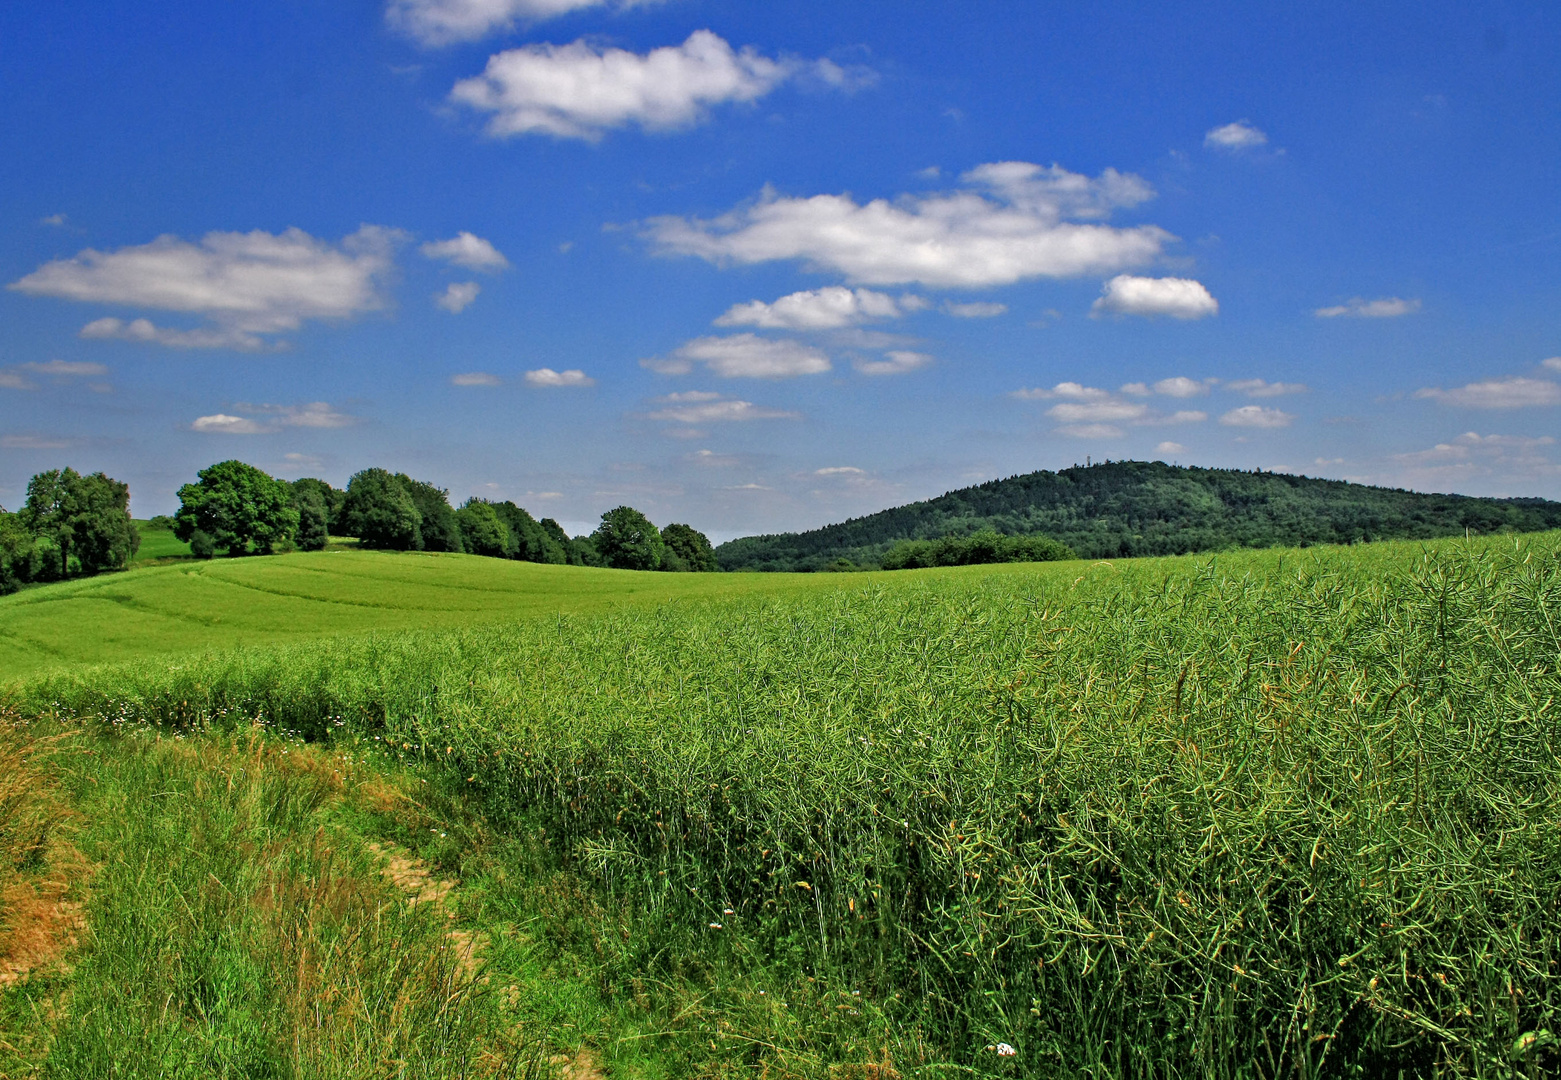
(223, 603)
(1267, 813)
(158, 544)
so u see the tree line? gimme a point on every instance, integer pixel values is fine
(70, 526)
(237, 509)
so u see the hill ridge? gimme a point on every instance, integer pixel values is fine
(1116, 509)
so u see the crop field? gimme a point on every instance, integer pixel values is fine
(1282, 813)
(182, 607)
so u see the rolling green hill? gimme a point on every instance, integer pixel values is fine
(201, 605)
(1131, 508)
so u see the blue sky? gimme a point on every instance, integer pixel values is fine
(765, 266)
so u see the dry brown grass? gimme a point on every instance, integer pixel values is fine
(40, 868)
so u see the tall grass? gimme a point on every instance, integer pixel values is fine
(1267, 814)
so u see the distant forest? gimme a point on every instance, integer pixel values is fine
(1118, 509)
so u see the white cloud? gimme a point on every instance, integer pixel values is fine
(1170, 448)
(1179, 298)
(223, 424)
(1091, 412)
(1012, 221)
(1181, 387)
(468, 251)
(246, 284)
(32, 442)
(975, 310)
(744, 356)
(315, 414)
(1553, 363)
(1256, 416)
(549, 377)
(579, 91)
(67, 369)
(11, 380)
(895, 362)
(703, 407)
(1073, 412)
(457, 297)
(145, 332)
(1474, 455)
(838, 470)
(1513, 393)
(1240, 135)
(1091, 431)
(829, 308)
(475, 378)
(443, 22)
(1137, 389)
(57, 220)
(1389, 307)
(1258, 388)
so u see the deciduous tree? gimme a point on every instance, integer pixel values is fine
(243, 509)
(626, 540)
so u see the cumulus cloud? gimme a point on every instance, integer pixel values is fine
(468, 251)
(743, 356)
(976, 310)
(457, 296)
(1240, 135)
(703, 407)
(895, 362)
(223, 424)
(1011, 221)
(1389, 307)
(245, 284)
(1169, 448)
(444, 22)
(1178, 298)
(829, 308)
(548, 377)
(580, 91)
(1514, 393)
(1553, 363)
(1259, 388)
(1256, 416)
(475, 378)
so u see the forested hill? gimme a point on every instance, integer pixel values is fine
(1124, 508)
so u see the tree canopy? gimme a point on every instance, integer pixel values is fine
(626, 540)
(1128, 508)
(380, 512)
(687, 549)
(86, 520)
(241, 508)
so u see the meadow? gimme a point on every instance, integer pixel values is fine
(1279, 813)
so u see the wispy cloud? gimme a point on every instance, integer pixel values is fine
(475, 378)
(1388, 307)
(1512, 393)
(743, 356)
(703, 407)
(265, 419)
(1256, 416)
(445, 22)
